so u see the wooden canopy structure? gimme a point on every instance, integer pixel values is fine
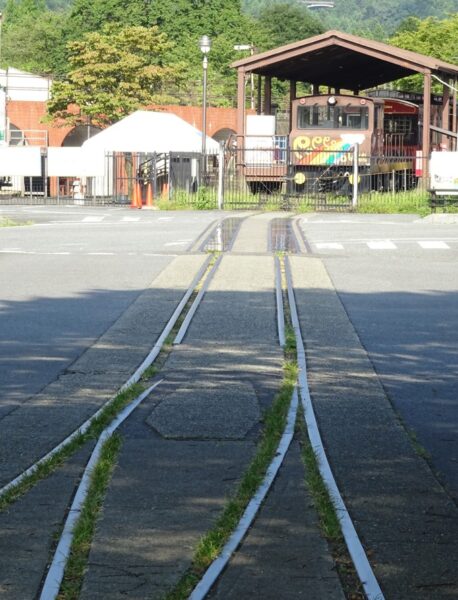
(341, 61)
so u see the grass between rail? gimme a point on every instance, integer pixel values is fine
(84, 529)
(327, 516)
(211, 544)
(5, 222)
(97, 426)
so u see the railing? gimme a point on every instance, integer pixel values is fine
(246, 178)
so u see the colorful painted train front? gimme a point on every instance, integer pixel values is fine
(325, 129)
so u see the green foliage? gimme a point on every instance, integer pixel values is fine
(431, 36)
(288, 22)
(370, 18)
(93, 15)
(112, 73)
(35, 42)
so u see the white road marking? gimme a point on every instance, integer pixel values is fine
(381, 245)
(34, 253)
(92, 219)
(180, 243)
(329, 246)
(166, 218)
(130, 219)
(100, 253)
(434, 245)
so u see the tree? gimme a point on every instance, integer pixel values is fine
(93, 15)
(112, 73)
(35, 43)
(288, 22)
(432, 37)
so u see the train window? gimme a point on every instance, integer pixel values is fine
(332, 117)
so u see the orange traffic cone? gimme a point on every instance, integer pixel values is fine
(139, 195)
(149, 196)
(165, 191)
(133, 197)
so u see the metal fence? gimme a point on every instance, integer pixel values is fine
(276, 177)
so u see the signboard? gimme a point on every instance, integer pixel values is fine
(260, 139)
(443, 169)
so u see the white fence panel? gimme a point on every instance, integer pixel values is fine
(75, 162)
(20, 161)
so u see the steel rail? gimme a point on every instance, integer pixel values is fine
(355, 548)
(198, 299)
(51, 586)
(214, 570)
(280, 307)
(133, 379)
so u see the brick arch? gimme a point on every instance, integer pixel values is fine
(223, 134)
(16, 135)
(78, 135)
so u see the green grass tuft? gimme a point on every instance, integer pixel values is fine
(94, 431)
(6, 222)
(211, 544)
(85, 527)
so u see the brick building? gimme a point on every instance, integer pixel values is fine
(23, 99)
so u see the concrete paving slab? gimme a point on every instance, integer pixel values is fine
(227, 416)
(401, 512)
(253, 235)
(35, 427)
(166, 493)
(239, 303)
(28, 527)
(284, 555)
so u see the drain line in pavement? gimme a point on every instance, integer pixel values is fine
(355, 548)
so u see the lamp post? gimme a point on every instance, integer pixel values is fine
(205, 45)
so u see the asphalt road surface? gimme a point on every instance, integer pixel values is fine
(397, 277)
(68, 276)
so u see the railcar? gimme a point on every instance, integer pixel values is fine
(325, 129)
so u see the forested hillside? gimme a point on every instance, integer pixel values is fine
(110, 56)
(382, 17)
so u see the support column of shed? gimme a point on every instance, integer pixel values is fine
(454, 116)
(445, 116)
(426, 141)
(292, 97)
(240, 107)
(267, 95)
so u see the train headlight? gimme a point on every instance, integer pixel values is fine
(332, 100)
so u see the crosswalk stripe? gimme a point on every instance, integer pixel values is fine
(93, 219)
(434, 245)
(329, 246)
(382, 245)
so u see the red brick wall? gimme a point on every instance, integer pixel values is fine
(27, 116)
(217, 118)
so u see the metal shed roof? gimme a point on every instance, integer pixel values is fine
(341, 60)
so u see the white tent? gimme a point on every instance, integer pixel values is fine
(146, 131)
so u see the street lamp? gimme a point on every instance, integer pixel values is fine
(205, 45)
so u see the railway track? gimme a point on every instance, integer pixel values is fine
(187, 436)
